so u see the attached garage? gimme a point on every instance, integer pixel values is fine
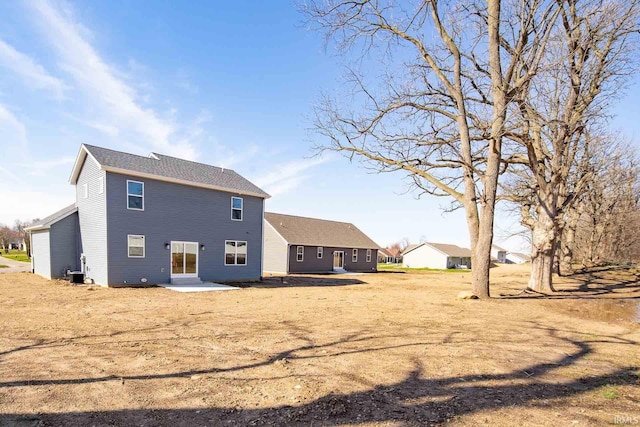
(55, 244)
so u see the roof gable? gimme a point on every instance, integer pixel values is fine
(48, 221)
(446, 249)
(297, 230)
(166, 168)
(451, 250)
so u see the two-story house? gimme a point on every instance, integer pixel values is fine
(155, 219)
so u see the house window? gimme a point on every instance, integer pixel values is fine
(320, 250)
(135, 245)
(354, 257)
(135, 195)
(235, 252)
(300, 253)
(85, 190)
(236, 208)
(368, 255)
(101, 185)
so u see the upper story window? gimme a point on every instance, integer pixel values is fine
(368, 255)
(235, 252)
(85, 190)
(135, 246)
(300, 253)
(135, 195)
(320, 251)
(354, 257)
(236, 208)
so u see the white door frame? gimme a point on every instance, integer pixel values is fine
(184, 259)
(334, 260)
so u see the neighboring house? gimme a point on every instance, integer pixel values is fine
(436, 255)
(389, 256)
(155, 219)
(517, 258)
(16, 244)
(294, 244)
(498, 254)
(384, 256)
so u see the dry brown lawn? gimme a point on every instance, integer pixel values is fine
(386, 349)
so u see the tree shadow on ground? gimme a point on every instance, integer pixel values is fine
(610, 282)
(414, 400)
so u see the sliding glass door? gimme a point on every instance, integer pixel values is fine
(184, 259)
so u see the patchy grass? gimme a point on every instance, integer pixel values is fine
(4, 266)
(610, 392)
(16, 255)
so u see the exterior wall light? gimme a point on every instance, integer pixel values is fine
(167, 246)
(202, 247)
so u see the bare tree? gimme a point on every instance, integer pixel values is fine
(438, 111)
(7, 235)
(586, 63)
(608, 214)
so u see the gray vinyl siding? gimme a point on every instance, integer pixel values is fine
(174, 212)
(41, 253)
(92, 216)
(312, 264)
(275, 251)
(65, 253)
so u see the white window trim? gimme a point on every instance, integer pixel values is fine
(144, 244)
(241, 208)
(320, 252)
(246, 256)
(368, 255)
(354, 255)
(299, 254)
(135, 195)
(85, 190)
(101, 186)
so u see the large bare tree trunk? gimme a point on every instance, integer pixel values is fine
(543, 236)
(567, 243)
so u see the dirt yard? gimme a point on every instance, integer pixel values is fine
(386, 349)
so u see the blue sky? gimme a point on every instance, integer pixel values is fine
(230, 84)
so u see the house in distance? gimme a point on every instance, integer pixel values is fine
(294, 244)
(436, 255)
(152, 219)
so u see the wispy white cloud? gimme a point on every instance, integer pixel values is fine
(12, 176)
(104, 128)
(43, 167)
(101, 82)
(33, 74)
(288, 176)
(13, 131)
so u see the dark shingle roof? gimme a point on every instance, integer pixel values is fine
(163, 166)
(55, 217)
(298, 230)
